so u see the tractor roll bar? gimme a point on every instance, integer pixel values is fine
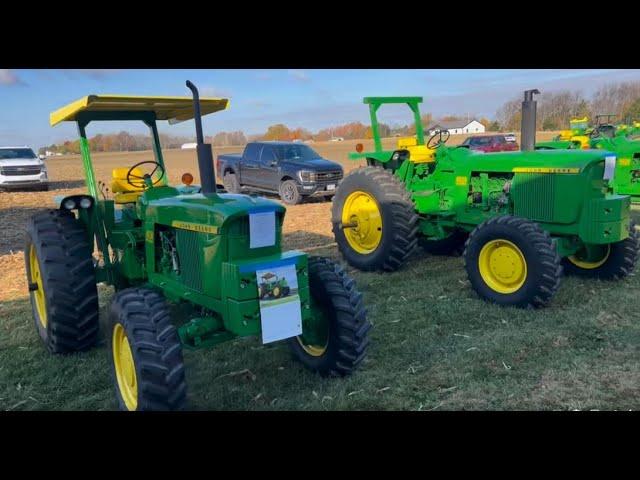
(204, 151)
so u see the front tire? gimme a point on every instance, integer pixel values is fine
(145, 352)
(618, 259)
(338, 334)
(374, 220)
(62, 284)
(289, 193)
(511, 261)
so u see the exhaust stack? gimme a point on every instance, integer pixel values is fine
(204, 151)
(528, 125)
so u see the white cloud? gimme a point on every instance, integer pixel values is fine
(9, 77)
(299, 75)
(210, 91)
(97, 72)
(263, 76)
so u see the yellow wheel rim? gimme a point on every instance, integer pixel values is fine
(38, 295)
(125, 367)
(362, 222)
(579, 262)
(313, 350)
(276, 292)
(502, 266)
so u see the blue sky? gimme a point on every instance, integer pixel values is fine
(308, 98)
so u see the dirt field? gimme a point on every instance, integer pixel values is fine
(435, 344)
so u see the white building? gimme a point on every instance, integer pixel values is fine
(456, 127)
(189, 146)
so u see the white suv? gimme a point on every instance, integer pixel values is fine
(21, 167)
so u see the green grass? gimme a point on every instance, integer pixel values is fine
(435, 345)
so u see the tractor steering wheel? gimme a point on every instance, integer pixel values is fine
(141, 182)
(439, 134)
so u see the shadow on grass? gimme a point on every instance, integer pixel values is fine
(301, 240)
(66, 184)
(14, 221)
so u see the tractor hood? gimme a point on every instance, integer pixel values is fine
(548, 161)
(620, 145)
(204, 213)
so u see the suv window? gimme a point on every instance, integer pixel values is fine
(252, 151)
(268, 155)
(499, 139)
(480, 141)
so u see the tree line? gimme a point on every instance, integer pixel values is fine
(556, 109)
(117, 142)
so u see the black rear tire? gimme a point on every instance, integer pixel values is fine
(289, 193)
(65, 262)
(543, 269)
(348, 327)
(155, 347)
(399, 219)
(230, 182)
(621, 260)
(452, 245)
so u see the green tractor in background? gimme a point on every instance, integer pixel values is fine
(273, 286)
(519, 216)
(618, 139)
(158, 244)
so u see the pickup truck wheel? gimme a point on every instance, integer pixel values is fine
(289, 192)
(230, 182)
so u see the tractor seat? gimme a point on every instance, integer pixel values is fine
(123, 191)
(417, 153)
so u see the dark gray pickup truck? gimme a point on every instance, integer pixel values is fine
(293, 170)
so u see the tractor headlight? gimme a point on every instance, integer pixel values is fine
(85, 203)
(69, 204)
(609, 167)
(307, 176)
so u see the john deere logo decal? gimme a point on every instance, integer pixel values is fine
(545, 170)
(195, 227)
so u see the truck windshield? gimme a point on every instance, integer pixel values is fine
(14, 153)
(295, 152)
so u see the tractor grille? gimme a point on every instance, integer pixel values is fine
(534, 196)
(18, 170)
(190, 256)
(329, 176)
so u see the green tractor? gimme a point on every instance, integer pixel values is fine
(159, 245)
(273, 286)
(519, 216)
(619, 140)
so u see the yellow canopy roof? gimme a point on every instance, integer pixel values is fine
(174, 109)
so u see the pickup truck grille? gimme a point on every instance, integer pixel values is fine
(329, 176)
(17, 170)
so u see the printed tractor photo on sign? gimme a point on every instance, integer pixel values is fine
(319, 240)
(279, 303)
